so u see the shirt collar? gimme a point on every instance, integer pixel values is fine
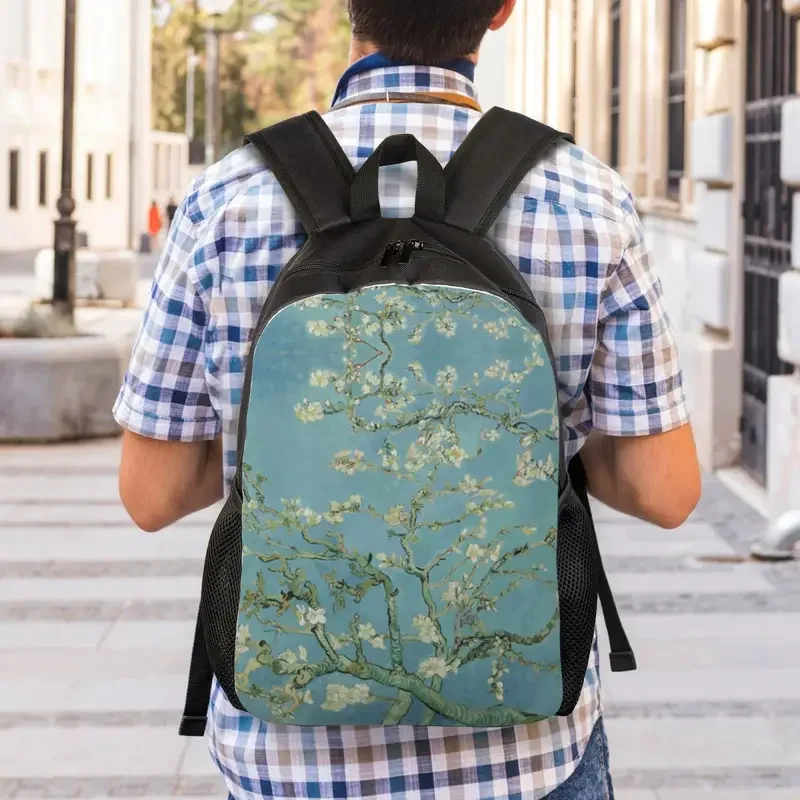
(376, 77)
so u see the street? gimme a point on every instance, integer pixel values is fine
(96, 620)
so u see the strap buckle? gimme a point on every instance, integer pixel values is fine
(192, 726)
(622, 661)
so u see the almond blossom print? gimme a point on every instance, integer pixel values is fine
(412, 516)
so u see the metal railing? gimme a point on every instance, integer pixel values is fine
(771, 51)
(676, 98)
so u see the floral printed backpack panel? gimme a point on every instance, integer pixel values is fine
(385, 586)
(403, 542)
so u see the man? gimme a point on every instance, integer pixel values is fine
(154, 223)
(172, 210)
(572, 230)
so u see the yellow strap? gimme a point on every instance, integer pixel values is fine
(449, 98)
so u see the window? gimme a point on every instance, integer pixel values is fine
(43, 178)
(89, 176)
(676, 97)
(109, 175)
(13, 180)
(616, 38)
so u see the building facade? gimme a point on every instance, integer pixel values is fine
(695, 103)
(112, 153)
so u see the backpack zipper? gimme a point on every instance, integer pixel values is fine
(397, 252)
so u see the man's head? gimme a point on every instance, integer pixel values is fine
(426, 31)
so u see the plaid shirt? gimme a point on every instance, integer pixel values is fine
(572, 231)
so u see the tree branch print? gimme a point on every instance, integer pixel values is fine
(461, 563)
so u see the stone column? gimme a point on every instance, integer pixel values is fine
(716, 274)
(593, 84)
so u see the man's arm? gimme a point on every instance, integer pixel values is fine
(171, 452)
(655, 478)
(640, 457)
(161, 482)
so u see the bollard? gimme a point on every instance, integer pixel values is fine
(779, 542)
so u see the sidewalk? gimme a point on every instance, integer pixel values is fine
(96, 622)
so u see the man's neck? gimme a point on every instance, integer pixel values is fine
(359, 50)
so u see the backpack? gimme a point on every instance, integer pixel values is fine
(403, 541)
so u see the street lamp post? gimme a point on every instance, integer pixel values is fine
(64, 243)
(214, 30)
(213, 110)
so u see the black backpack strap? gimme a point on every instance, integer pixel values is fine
(621, 657)
(495, 157)
(198, 691)
(311, 167)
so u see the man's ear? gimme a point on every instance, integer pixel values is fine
(502, 15)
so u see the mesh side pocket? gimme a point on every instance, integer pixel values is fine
(577, 592)
(219, 603)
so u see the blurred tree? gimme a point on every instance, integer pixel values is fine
(285, 61)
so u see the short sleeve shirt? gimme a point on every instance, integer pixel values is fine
(573, 232)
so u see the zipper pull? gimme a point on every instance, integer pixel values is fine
(408, 248)
(392, 249)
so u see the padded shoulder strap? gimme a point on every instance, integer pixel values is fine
(491, 163)
(311, 168)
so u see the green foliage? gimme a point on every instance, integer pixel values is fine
(266, 74)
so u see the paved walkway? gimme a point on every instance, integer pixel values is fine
(96, 621)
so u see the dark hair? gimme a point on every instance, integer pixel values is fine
(423, 31)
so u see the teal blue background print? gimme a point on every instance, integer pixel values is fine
(400, 505)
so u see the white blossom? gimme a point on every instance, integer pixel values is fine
(349, 462)
(396, 515)
(446, 325)
(426, 628)
(446, 379)
(415, 368)
(243, 635)
(321, 377)
(529, 470)
(309, 411)
(338, 697)
(435, 666)
(319, 327)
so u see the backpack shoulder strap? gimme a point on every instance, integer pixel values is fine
(491, 163)
(311, 167)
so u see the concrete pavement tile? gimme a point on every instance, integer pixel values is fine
(788, 733)
(748, 629)
(102, 543)
(742, 580)
(694, 743)
(71, 456)
(69, 694)
(68, 515)
(148, 635)
(197, 760)
(634, 794)
(714, 685)
(86, 752)
(93, 664)
(602, 514)
(641, 539)
(726, 794)
(668, 654)
(45, 635)
(51, 489)
(108, 589)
